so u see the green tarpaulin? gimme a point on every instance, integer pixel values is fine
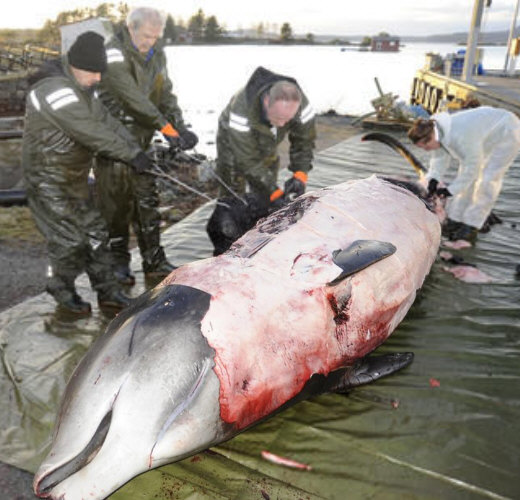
(446, 427)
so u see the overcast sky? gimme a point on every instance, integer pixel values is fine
(340, 17)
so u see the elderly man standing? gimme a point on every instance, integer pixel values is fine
(252, 125)
(137, 90)
(65, 124)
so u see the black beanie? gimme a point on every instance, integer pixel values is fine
(88, 53)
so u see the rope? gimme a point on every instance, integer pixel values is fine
(158, 172)
(198, 161)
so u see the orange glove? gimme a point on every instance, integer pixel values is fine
(172, 136)
(275, 195)
(169, 131)
(301, 176)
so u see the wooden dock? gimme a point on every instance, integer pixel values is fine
(434, 91)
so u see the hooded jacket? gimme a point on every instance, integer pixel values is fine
(137, 90)
(65, 125)
(248, 143)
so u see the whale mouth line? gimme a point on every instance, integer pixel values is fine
(46, 483)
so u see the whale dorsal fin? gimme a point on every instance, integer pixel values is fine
(359, 255)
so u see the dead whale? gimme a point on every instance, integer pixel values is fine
(291, 310)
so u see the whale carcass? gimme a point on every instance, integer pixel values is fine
(290, 311)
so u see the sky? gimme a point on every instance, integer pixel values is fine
(334, 17)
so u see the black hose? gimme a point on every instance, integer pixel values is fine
(10, 197)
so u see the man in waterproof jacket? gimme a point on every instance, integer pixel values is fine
(250, 128)
(65, 125)
(137, 90)
(252, 125)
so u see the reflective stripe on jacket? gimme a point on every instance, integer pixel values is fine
(65, 125)
(137, 90)
(247, 143)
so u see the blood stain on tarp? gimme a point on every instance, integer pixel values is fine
(434, 382)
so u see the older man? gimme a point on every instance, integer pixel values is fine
(137, 90)
(256, 120)
(65, 124)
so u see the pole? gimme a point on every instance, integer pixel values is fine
(474, 32)
(511, 36)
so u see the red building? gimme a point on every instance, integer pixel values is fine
(385, 43)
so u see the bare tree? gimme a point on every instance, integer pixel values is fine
(286, 32)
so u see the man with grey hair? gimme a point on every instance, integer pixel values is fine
(250, 128)
(137, 90)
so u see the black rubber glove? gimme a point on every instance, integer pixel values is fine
(277, 204)
(141, 163)
(432, 186)
(175, 142)
(293, 188)
(188, 140)
(443, 192)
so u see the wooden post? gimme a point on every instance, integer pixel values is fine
(474, 32)
(511, 36)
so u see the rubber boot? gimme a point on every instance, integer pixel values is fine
(72, 303)
(124, 276)
(66, 296)
(113, 299)
(156, 266)
(463, 232)
(160, 270)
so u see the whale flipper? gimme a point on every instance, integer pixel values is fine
(368, 369)
(363, 371)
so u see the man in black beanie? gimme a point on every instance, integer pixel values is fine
(65, 126)
(88, 53)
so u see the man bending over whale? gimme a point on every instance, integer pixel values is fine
(65, 126)
(253, 124)
(485, 141)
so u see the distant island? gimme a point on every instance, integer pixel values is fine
(202, 29)
(459, 38)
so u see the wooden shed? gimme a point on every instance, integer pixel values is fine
(385, 44)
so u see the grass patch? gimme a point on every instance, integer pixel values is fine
(16, 223)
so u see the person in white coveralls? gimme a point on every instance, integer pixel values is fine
(485, 142)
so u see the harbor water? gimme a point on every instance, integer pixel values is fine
(205, 78)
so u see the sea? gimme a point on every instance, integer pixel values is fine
(334, 78)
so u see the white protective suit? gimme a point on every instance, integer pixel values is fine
(485, 141)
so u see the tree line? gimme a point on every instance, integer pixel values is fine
(199, 28)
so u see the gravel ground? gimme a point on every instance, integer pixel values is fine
(23, 263)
